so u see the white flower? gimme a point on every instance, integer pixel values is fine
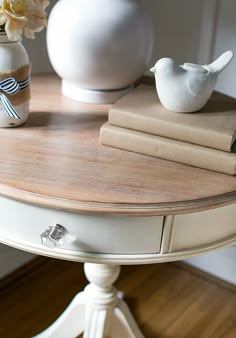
(23, 16)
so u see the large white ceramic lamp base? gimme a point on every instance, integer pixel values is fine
(106, 46)
(98, 311)
(93, 96)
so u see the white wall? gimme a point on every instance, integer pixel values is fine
(189, 31)
(38, 51)
(11, 259)
(225, 39)
(177, 28)
(218, 34)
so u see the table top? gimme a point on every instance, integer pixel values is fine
(55, 160)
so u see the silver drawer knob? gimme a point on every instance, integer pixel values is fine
(52, 237)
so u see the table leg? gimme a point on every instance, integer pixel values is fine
(71, 322)
(98, 311)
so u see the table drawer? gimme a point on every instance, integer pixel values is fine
(199, 229)
(84, 233)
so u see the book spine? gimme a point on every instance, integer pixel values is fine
(168, 149)
(169, 129)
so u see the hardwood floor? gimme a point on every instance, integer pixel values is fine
(167, 300)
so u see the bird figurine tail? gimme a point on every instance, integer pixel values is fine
(219, 64)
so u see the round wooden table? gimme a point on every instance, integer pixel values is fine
(65, 196)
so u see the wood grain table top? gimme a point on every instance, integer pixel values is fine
(55, 160)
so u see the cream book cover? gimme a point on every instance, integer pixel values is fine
(168, 149)
(214, 126)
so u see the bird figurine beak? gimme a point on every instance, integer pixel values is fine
(152, 69)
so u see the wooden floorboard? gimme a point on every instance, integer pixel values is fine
(167, 300)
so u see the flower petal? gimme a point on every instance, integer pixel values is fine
(20, 16)
(14, 29)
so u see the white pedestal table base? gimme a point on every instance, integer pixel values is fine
(98, 311)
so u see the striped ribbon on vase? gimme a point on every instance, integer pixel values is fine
(11, 86)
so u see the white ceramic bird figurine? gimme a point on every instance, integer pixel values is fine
(187, 88)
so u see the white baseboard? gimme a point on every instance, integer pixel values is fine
(11, 259)
(221, 263)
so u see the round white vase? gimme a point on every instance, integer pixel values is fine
(13, 56)
(99, 47)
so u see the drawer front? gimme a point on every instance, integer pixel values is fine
(82, 232)
(195, 230)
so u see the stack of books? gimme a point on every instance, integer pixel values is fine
(206, 139)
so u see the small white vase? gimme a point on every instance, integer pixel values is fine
(99, 47)
(13, 56)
